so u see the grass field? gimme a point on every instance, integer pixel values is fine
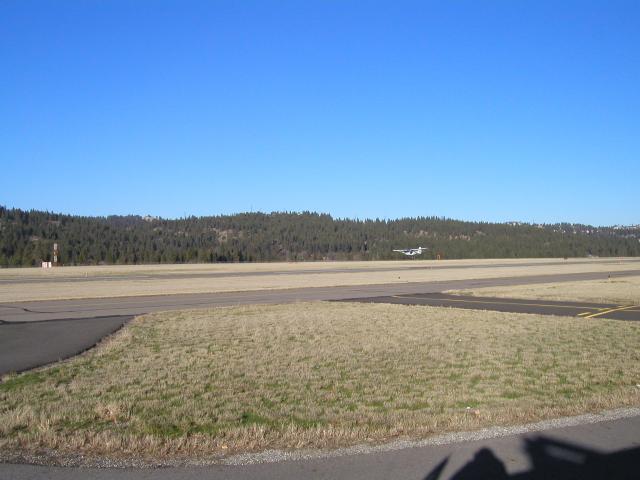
(113, 281)
(213, 382)
(624, 290)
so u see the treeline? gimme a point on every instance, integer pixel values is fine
(27, 238)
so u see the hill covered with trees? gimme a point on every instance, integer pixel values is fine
(27, 237)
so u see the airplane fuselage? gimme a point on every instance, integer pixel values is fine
(411, 252)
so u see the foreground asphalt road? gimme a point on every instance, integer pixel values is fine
(541, 307)
(609, 450)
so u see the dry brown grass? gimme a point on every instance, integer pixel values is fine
(624, 290)
(209, 383)
(110, 270)
(146, 279)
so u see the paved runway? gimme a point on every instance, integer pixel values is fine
(93, 307)
(542, 307)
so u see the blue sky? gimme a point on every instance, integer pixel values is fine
(495, 110)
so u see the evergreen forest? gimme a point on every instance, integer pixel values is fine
(27, 238)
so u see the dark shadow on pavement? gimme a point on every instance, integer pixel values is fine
(550, 459)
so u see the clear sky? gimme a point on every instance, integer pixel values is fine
(483, 110)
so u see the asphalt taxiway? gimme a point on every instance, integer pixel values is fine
(540, 307)
(26, 345)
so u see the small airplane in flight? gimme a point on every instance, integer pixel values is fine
(410, 252)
